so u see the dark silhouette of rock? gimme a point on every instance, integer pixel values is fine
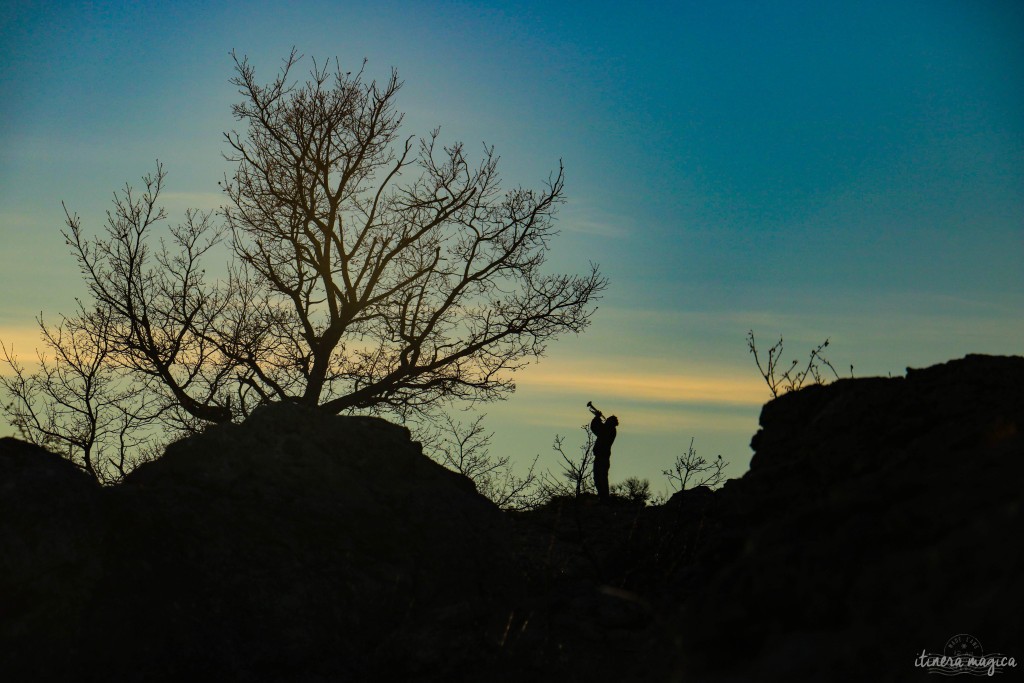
(298, 546)
(50, 528)
(879, 517)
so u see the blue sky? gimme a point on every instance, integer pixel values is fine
(810, 169)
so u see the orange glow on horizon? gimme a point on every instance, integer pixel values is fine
(658, 387)
(22, 343)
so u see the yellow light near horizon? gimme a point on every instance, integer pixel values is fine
(21, 342)
(647, 386)
(563, 418)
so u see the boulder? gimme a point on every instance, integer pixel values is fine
(296, 546)
(879, 518)
(51, 526)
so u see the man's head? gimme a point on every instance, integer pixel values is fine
(612, 421)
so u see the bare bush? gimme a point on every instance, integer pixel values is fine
(633, 489)
(690, 470)
(465, 448)
(792, 379)
(575, 476)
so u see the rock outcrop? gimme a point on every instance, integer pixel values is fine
(879, 517)
(298, 546)
(51, 525)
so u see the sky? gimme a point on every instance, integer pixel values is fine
(849, 170)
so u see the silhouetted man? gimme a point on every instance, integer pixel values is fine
(604, 434)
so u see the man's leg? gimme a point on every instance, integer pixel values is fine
(601, 467)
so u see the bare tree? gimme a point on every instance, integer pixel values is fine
(75, 403)
(466, 449)
(378, 293)
(371, 272)
(691, 470)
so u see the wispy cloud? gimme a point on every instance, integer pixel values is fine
(595, 226)
(586, 218)
(643, 384)
(21, 341)
(13, 221)
(878, 336)
(558, 416)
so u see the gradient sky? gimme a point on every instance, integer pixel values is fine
(811, 169)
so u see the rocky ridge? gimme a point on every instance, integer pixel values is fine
(879, 517)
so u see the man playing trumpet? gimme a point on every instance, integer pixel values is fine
(604, 435)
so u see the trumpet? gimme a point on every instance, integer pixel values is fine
(594, 410)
